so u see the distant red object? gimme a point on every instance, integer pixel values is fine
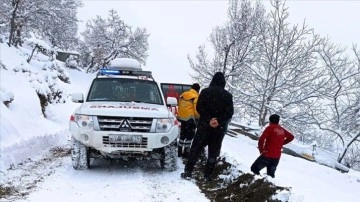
(172, 92)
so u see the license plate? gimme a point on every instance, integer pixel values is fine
(125, 138)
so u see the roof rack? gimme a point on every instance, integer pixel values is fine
(124, 72)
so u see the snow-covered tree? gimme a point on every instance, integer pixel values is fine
(269, 64)
(58, 24)
(53, 20)
(234, 46)
(272, 66)
(283, 75)
(86, 56)
(234, 43)
(337, 111)
(37, 46)
(3, 21)
(110, 38)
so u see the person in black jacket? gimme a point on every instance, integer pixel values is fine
(215, 107)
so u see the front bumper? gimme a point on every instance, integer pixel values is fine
(99, 140)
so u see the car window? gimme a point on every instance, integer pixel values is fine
(124, 90)
(174, 90)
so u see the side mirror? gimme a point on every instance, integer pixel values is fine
(77, 97)
(171, 102)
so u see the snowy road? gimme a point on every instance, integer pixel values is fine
(52, 178)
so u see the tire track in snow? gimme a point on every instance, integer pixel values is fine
(23, 179)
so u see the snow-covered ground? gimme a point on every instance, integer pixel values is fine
(121, 181)
(309, 181)
(26, 137)
(22, 122)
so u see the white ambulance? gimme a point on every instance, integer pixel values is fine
(124, 115)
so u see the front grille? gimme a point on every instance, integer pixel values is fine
(126, 124)
(143, 143)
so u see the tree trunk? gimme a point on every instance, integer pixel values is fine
(227, 50)
(91, 65)
(342, 155)
(15, 4)
(32, 53)
(18, 36)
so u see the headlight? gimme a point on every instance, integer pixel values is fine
(163, 125)
(84, 121)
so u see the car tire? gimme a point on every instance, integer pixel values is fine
(168, 160)
(79, 155)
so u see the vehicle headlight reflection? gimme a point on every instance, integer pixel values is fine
(164, 125)
(85, 122)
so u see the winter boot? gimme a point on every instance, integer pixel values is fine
(209, 167)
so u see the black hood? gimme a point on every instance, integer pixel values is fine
(218, 80)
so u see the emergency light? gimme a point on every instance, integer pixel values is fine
(107, 71)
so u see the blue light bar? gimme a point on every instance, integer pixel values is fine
(109, 71)
(106, 71)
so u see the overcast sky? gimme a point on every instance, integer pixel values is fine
(177, 28)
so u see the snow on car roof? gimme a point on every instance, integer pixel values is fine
(125, 63)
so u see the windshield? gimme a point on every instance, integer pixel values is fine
(124, 90)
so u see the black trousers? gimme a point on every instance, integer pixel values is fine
(262, 162)
(205, 136)
(187, 133)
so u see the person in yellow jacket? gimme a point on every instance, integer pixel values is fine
(188, 117)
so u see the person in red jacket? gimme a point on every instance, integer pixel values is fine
(270, 145)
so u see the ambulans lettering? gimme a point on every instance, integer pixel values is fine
(123, 107)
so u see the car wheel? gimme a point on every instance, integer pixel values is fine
(168, 160)
(79, 155)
